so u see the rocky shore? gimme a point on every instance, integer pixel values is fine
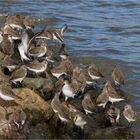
(36, 91)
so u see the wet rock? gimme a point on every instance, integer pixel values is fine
(36, 109)
(44, 86)
(112, 133)
(33, 102)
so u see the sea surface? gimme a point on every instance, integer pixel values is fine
(106, 32)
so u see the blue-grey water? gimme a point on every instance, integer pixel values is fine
(103, 31)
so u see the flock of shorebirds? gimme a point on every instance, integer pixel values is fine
(35, 56)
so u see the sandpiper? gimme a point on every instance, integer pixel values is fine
(15, 21)
(50, 56)
(18, 118)
(23, 47)
(79, 121)
(88, 105)
(59, 70)
(89, 81)
(113, 94)
(6, 93)
(69, 66)
(7, 29)
(113, 114)
(129, 114)
(9, 63)
(7, 96)
(76, 72)
(53, 33)
(28, 22)
(7, 45)
(103, 98)
(38, 51)
(55, 103)
(94, 72)
(19, 74)
(78, 81)
(63, 52)
(118, 77)
(59, 84)
(64, 113)
(68, 90)
(37, 67)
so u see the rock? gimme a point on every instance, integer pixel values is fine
(43, 85)
(36, 109)
(33, 103)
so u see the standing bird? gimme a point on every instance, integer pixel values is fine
(24, 46)
(9, 63)
(19, 74)
(7, 45)
(68, 90)
(38, 51)
(7, 96)
(18, 118)
(103, 98)
(37, 67)
(53, 33)
(129, 114)
(118, 77)
(28, 22)
(114, 96)
(113, 114)
(55, 103)
(94, 72)
(15, 21)
(88, 105)
(79, 121)
(7, 29)
(64, 113)
(63, 52)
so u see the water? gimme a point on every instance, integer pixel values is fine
(102, 31)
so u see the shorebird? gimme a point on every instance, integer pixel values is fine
(7, 45)
(19, 74)
(59, 70)
(94, 72)
(15, 21)
(15, 35)
(24, 46)
(50, 56)
(9, 63)
(79, 121)
(68, 90)
(38, 51)
(118, 77)
(63, 52)
(88, 105)
(129, 114)
(55, 103)
(103, 98)
(18, 118)
(113, 114)
(59, 84)
(28, 22)
(64, 113)
(78, 80)
(113, 94)
(7, 96)
(89, 81)
(53, 33)
(37, 67)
